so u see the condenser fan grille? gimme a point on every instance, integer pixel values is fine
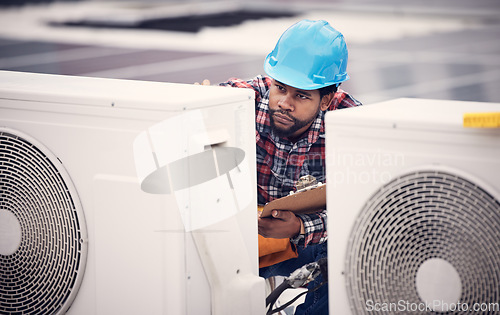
(417, 217)
(43, 259)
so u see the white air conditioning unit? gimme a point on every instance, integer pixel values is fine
(414, 208)
(126, 197)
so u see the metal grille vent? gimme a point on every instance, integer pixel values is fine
(43, 258)
(413, 219)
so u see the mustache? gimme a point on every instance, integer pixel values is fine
(282, 112)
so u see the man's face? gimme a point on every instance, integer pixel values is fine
(292, 111)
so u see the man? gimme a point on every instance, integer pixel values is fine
(304, 71)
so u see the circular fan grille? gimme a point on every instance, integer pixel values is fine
(43, 273)
(417, 217)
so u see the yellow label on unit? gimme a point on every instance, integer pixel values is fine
(482, 120)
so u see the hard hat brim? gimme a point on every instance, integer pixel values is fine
(298, 79)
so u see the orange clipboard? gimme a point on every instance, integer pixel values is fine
(307, 201)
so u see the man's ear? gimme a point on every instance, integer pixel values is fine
(325, 101)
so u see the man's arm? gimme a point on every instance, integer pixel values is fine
(341, 99)
(260, 84)
(315, 231)
(302, 229)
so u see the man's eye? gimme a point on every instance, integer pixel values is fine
(302, 96)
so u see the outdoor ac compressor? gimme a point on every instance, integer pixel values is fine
(414, 207)
(126, 197)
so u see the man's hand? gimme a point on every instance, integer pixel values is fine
(204, 82)
(281, 224)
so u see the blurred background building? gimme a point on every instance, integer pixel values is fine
(440, 49)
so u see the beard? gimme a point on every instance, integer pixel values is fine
(297, 123)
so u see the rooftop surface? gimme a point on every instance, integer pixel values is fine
(444, 49)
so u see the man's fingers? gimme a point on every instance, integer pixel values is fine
(204, 82)
(286, 226)
(282, 215)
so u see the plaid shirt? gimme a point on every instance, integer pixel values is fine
(280, 163)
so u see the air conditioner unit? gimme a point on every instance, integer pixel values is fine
(414, 208)
(126, 197)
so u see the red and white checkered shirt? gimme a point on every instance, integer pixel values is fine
(280, 163)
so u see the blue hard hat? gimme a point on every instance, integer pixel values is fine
(309, 55)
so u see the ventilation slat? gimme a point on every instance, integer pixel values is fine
(417, 217)
(44, 273)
